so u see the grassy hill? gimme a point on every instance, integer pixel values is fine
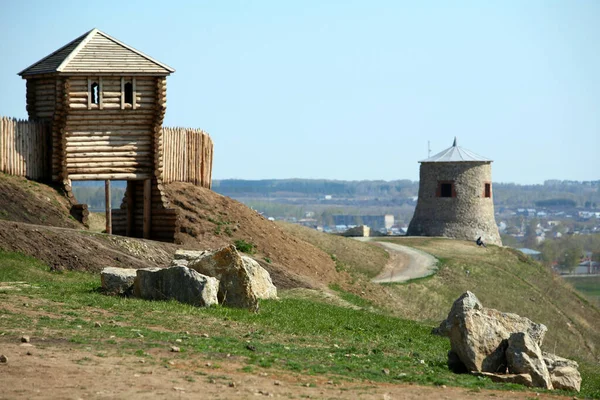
(383, 337)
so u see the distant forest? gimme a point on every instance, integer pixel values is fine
(550, 193)
(366, 194)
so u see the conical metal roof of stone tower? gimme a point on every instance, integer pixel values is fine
(456, 154)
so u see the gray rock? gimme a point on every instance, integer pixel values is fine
(179, 283)
(566, 378)
(478, 335)
(117, 280)
(188, 255)
(241, 280)
(520, 379)
(563, 372)
(179, 263)
(525, 357)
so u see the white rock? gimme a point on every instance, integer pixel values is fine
(117, 280)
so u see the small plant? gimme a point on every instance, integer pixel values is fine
(245, 247)
(267, 260)
(228, 231)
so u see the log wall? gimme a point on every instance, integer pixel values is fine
(112, 139)
(41, 97)
(24, 148)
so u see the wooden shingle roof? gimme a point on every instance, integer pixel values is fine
(95, 52)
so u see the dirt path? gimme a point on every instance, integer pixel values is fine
(405, 263)
(58, 369)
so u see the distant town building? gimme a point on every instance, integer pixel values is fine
(377, 222)
(455, 197)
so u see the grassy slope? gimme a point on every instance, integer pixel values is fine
(500, 277)
(292, 334)
(358, 256)
(590, 286)
(505, 280)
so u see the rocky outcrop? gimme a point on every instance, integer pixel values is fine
(525, 357)
(180, 283)
(117, 281)
(479, 335)
(236, 280)
(487, 341)
(242, 280)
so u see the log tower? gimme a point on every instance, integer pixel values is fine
(106, 102)
(455, 197)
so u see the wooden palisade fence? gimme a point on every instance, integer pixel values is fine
(25, 151)
(187, 156)
(24, 148)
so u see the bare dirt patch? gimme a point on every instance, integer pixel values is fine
(59, 369)
(69, 249)
(22, 200)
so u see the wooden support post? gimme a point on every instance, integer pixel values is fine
(130, 193)
(108, 210)
(147, 205)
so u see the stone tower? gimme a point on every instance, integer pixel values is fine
(455, 197)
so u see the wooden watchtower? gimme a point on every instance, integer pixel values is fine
(106, 102)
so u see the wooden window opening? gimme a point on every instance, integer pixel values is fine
(487, 190)
(128, 89)
(128, 94)
(95, 93)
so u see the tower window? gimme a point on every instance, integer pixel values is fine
(487, 192)
(128, 93)
(95, 91)
(446, 189)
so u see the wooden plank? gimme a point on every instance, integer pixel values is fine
(89, 96)
(114, 177)
(133, 83)
(122, 93)
(147, 208)
(108, 208)
(100, 103)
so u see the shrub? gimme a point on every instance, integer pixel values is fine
(245, 247)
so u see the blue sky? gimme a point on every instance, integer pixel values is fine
(352, 89)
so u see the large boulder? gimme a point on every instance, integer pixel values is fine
(242, 280)
(564, 373)
(117, 281)
(479, 335)
(179, 283)
(525, 357)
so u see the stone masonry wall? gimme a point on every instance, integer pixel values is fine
(468, 215)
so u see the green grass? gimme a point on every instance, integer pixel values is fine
(349, 254)
(589, 286)
(298, 335)
(292, 334)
